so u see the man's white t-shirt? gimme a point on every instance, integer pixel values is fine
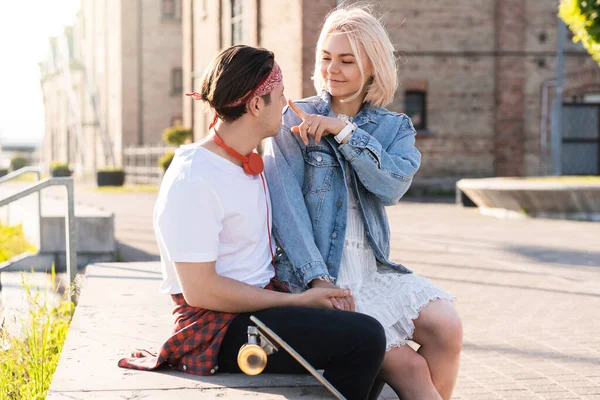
(209, 209)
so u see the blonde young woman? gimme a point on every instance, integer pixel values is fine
(339, 159)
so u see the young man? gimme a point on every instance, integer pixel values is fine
(213, 226)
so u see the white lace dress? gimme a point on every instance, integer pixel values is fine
(392, 298)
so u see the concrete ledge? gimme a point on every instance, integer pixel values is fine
(120, 309)
(577, 201)
(271, 393)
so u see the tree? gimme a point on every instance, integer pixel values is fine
(583, 18)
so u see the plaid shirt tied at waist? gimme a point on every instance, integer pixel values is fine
(195, 342)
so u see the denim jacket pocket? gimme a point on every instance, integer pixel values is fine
(318, 156)
(321, 168)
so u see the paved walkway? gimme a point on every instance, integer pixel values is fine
(528, 291)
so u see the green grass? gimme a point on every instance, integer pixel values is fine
(13, 242)
(29, 177)
(125, 189)
(29, 358)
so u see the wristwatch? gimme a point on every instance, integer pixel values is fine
(348, 129)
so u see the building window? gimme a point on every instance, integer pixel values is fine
(171, 9)
(237, 22)
(176, 81)
(415, 106)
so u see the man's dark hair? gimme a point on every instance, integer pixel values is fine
(233, 74)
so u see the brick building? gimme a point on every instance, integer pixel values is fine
(123, 86)
(471, 74)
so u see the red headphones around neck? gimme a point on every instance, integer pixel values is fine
(252, 164)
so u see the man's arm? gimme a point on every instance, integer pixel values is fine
(203, 287)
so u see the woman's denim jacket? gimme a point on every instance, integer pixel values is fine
(309, 193)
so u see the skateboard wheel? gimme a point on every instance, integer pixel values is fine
(252, 359)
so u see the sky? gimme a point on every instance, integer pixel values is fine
(25, 26)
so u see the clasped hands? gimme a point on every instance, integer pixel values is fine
(339, 303)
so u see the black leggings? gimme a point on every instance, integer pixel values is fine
(349, 346)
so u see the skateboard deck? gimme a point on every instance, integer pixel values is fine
(271, 336)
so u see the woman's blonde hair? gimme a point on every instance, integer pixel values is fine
(366, 32)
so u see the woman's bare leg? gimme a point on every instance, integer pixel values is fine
(438, 330)
(407, 373)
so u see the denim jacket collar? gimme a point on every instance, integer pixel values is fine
(323, 105)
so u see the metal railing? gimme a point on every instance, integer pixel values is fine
(21, 171)
(70, 223)
(141, 163)
(27, 170)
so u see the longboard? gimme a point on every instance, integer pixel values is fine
(252, 357)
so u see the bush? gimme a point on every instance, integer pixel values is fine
(58, 169)
(18, 163)
(165, 160)
(58, 165)
(13, 242)
(583, 18)
(110, 170)
(177, 135)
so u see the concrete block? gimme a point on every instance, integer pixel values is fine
(463, 200)
(95, 234)
(575, 201)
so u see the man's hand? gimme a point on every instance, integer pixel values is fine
(339, 303)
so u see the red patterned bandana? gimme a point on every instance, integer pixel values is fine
(265, 86)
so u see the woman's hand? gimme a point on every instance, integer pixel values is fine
(339, 303)
(315, 125)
